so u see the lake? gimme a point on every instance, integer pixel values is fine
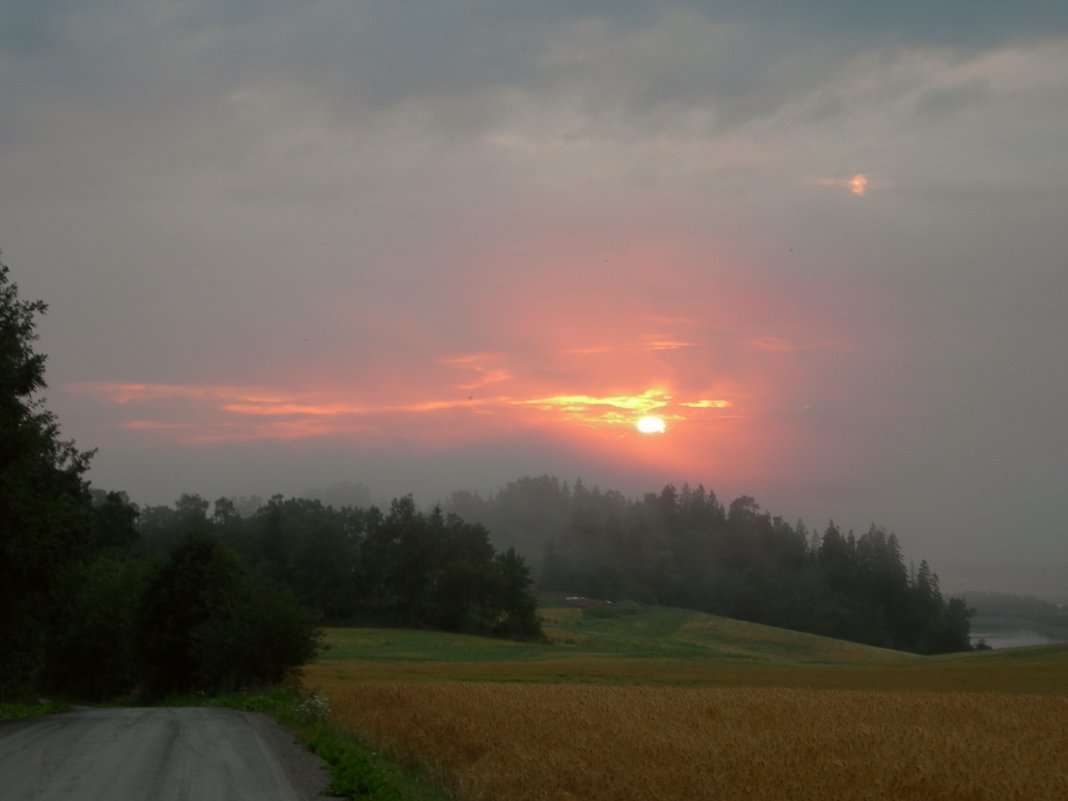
(1012, 638)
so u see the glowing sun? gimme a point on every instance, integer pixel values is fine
(651, 425)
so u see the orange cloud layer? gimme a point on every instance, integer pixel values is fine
(598, 424)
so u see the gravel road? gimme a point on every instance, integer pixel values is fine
(165, 754)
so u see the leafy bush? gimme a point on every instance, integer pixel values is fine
(256, 639)
(209, 624)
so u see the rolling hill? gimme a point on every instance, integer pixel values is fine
(666, 646)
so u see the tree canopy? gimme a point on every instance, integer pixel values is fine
(45, 514)
(401, 567)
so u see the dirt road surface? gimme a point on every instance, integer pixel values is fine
(194, 754)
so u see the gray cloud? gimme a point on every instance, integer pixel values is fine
(947, 100)
(335, 195)
(454, 61)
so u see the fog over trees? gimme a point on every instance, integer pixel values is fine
(1000, 610)
(683, 547)
(463, 567)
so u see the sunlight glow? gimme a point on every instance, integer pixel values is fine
(707, 404)
(651, 425)
(648, 400)
(858, 184)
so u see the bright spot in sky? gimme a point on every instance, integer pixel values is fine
(650, 425)
(858, 184)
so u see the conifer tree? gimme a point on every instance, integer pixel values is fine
(46, 516)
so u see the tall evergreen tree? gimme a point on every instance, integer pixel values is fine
(46, 516)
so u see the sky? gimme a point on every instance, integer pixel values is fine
(431, 246)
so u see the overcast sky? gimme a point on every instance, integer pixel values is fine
(430, 246)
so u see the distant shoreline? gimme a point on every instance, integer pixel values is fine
(1016, 637)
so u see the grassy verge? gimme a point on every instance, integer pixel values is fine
(24, 711)
(357, 772)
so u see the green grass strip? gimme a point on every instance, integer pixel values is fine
(26, 711)
(357, 772)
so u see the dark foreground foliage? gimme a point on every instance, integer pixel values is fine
(403, 567)
(208, 623)
(44, 510)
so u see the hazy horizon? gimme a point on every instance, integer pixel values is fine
(1020, 579)
(441, 246)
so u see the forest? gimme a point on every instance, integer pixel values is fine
(358, 565)
(401, 567)
(683, 547)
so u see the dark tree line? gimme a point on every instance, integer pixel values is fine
(684, 548)
(402, 567)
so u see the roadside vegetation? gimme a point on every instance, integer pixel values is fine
(24, 711)
(356, 771)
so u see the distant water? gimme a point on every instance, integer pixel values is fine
(1012, 638)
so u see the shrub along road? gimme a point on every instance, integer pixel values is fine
(166, 754)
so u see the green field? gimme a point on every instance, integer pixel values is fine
(662, 646)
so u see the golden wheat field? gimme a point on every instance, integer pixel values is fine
(522, 742)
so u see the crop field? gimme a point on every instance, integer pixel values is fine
(534, 741)
(674, 705)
